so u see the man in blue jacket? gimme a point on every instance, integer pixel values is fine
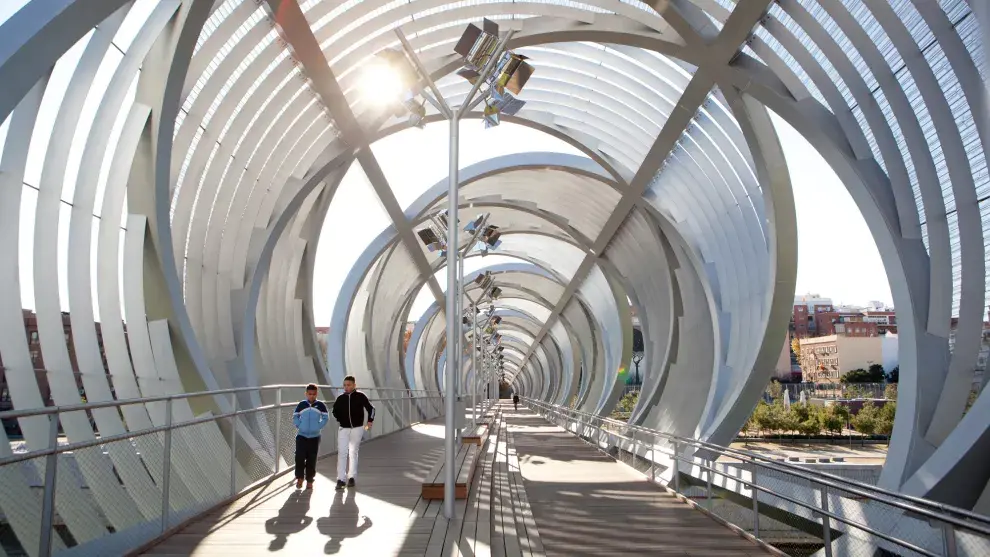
(310, 417)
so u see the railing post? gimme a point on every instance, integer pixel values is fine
(756, 503)
(167, 465)
(48, 504)
(949, 540)
(653, 473)
(711, 467)
(677, 468)
(278, 428)
(233, 446)
(826, 523)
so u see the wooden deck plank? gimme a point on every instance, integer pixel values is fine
(526, 524)
(585, 503)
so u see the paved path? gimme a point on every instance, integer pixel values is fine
(585, 503)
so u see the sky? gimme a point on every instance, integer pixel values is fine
(837, 257)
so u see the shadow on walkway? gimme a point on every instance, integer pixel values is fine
(344, 521)
(288, 521)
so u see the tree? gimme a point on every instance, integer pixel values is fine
(890, 392)
(866, 420)
(806, 419)
(763, 418)
(877, 374)
(885, 422)
(853, 391)
(628, 402)
(834, 417)
(637, 358)
(857, 376)
(796, 347)
(776, 390)
(894, 375)
(785, 418)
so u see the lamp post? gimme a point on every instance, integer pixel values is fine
(454, 353)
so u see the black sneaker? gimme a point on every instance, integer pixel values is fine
(340, 485)
(350, 482)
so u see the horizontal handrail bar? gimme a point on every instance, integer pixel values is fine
(942, 513)
(69, 447)
(44, 411)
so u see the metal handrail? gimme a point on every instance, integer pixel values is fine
(46, 410)
(824, 480)
(820, 477)
(102, 440)
(51, 452)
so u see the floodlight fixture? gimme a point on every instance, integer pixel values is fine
(476, 223)
(478, 46)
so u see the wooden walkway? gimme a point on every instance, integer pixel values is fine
(538, 490)
(373, 519)
(585, 503)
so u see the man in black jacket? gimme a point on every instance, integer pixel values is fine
(349, 410)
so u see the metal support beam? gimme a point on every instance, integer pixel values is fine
(453, 326)
(718, 53)
(442, 105)
(298, 35)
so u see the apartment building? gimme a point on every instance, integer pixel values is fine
(826, 359)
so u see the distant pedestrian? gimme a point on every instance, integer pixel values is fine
(310, 418)
(349, 410)
(515, 401)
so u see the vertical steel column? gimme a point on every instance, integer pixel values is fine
(233, 445)
(278, 428)
(653, 468)
(51, 476)
(676, 473)
(826, 523)
(711, 469)
(450, 385)
(474, 367)
(460, 332)
(756, 503)
(167, 465)
(949, 540)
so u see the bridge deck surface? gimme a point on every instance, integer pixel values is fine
(540, 491)
(586, 503)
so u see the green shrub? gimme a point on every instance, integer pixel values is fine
(867, 419)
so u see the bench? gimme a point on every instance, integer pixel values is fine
(476, 435)
(464, 461)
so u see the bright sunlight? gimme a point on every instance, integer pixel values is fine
(381, 85)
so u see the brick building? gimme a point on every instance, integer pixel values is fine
(807, 308)
(38, 360)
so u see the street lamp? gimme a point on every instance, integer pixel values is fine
(503, 73)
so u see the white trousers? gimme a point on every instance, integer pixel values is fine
(348, 444)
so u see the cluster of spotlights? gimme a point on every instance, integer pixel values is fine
(482, 235)
(392, 79)
(478, 46)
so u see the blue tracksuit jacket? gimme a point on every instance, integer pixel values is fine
(310, 419)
